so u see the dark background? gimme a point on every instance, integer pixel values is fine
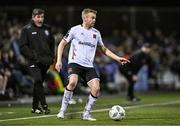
(125, 23)
(93, 2)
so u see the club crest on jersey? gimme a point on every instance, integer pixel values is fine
(94, 36)
(46, 32)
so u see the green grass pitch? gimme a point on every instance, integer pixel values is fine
(156, 108)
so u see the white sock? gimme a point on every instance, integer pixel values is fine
(66, 98)
(89, 105)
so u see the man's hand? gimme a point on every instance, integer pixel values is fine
(123, 60)
(58, 66)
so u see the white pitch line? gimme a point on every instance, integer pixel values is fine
(2, 113)
(25, 118)
(142, 105)
(98, 110)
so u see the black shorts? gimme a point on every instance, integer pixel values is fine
(86, 73)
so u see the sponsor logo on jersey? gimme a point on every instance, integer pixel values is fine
(87, 44)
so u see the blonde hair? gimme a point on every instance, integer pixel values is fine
(88, 10)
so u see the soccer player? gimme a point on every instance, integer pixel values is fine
(37, 45)
(84, 41)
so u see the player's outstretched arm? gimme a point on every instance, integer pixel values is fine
(110, 54)
(60, 49)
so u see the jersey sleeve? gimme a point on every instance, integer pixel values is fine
(100, 42)
(69, 35)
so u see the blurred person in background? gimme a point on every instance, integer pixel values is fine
(4, 73)
(138, 59)
(84, 41)
(7, 67)
(37, 46)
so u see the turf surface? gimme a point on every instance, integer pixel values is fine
(155, 108)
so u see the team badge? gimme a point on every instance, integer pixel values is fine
(46, 32)
(94, 36)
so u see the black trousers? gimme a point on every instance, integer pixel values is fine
(130, 91)
(131, 82)
(39, 74)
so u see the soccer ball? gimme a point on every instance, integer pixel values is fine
(117, 112)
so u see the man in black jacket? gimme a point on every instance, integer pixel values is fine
(138, 59)
(37, 45)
